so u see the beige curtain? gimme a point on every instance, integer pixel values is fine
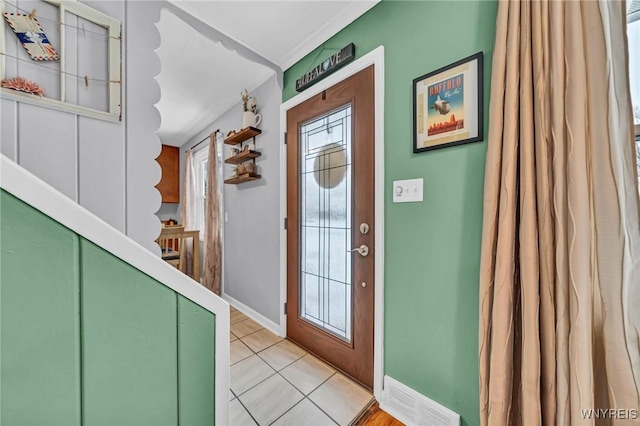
(189, 218)
(211, 275)
(560, 272)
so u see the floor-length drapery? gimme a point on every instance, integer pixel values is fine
(189, 215)
(560, 268)
(211, 274)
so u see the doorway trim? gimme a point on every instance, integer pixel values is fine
(376, 58)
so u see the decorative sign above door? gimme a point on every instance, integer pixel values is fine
(326, 67)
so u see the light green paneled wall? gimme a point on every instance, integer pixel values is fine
(432, 249)
(39, 324)
(88, 339)
(130, 344)
(196, 333)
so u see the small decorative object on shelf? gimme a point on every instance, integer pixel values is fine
(241, 136)
(246, 168)
(241, 153)
(23, 85)
(250, 116)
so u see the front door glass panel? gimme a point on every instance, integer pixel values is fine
(326, 222)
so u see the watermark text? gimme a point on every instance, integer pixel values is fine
(609, 413)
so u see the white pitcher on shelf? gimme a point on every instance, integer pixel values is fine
(251, 119)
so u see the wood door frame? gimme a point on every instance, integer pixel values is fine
(376, 58)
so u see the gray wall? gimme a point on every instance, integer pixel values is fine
(251, 234)
(76, 155)
(109, 168)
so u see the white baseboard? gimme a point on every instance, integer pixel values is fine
(257, 317)
(413, 408)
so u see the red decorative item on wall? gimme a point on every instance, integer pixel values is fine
(23, 85)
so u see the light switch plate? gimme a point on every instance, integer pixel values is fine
(408, 191)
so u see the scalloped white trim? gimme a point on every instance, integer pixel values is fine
(142, 121)
(43, 197)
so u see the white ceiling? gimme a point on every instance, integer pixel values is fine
(200, 79)
(281, 31)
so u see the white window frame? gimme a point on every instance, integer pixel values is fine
(114, 28)
(200, 157)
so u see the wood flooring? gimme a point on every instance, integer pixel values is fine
(374, 416)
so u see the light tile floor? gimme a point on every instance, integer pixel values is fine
(275, 382)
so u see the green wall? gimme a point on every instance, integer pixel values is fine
(432, 249)
(86, 339)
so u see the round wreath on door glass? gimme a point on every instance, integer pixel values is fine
(329, 167)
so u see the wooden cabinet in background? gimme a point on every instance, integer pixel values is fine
(169, 185)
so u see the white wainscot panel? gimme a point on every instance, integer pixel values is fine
(8, 136)
(102, 170)
(47, 146)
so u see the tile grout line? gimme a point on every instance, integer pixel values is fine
(306, 396)
(240, 320)
(245, 319)
(278, 372)
(264, 349)
(238, 395)
(323, 382)
(290, 408)
(291, 363)
(247, 410)
(249, 334)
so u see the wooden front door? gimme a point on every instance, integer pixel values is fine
(330, 211)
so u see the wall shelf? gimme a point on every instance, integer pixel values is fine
(242, 157)
(243, 135)
(246, 177)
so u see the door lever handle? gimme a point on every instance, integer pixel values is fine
(363, 250)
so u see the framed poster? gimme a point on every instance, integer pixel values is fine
(447, 105)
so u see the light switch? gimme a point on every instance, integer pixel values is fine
(408, 191)
(226, 217)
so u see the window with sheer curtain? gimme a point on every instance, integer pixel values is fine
(200, 165)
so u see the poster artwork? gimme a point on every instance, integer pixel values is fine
(447, 105)
(32, 36)
(445, 102)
